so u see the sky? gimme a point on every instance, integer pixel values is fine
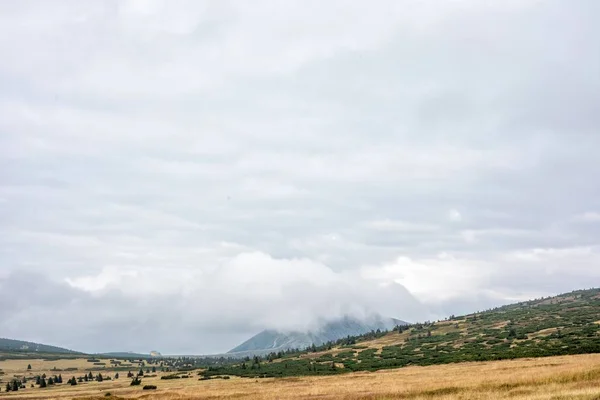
(179, 175)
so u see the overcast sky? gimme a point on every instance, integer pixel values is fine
(178, 175)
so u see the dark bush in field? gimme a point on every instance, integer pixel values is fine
(174, 376)
(135, 382)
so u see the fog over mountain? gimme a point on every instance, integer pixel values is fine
(182, 175)
(270, 340)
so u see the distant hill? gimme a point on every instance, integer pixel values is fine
(562, 325)
(273, 341)
(11, 345)
(124, 354)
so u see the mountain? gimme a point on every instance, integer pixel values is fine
(562, 325)
(273, 341)
(20, 345)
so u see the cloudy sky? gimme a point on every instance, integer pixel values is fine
(178, 175)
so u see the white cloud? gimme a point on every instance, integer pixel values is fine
(400, 226)
(454, 215)
(108, 277)
(588, 217)
(434, 280)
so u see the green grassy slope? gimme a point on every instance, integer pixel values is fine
(561, 325)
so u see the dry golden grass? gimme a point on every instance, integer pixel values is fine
(39, 366)
(557, 378)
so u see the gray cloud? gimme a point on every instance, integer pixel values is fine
(261, 165)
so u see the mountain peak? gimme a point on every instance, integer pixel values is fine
(272, 340)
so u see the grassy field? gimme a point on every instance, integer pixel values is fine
(40, 366)
(564, 377)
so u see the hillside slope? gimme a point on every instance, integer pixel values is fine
(273, 341)
(561, 325)
(9, 345)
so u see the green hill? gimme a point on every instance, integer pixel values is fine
(561, 325)
(11, 345)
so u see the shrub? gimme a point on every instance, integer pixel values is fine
(174, 376)
(149, 387)
(135, 382)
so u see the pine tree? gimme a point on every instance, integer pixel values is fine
(99, 378)
(8, 387)
(38, 380)
(73, 381)
(85, 378)
(90, 376)
(43, 382)
(117, 375)
(141, 373)
(50, 381)
(153, 369)
(130, 374)
(29, 366)
(59, 379)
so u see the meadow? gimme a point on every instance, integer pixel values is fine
(563, 377)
